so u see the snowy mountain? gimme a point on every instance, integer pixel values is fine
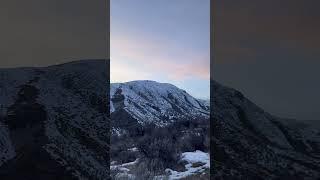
(53, 121)
(159, 103)
(249, 143)
(154, 127)
(54, 124)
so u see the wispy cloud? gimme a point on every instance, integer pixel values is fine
(152, 55)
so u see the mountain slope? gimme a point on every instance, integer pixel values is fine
(153, 126)
(159, 103)
(252, 144)
(54, 121)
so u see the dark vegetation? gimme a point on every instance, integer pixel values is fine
(160, 147)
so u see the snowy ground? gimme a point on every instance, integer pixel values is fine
(124, 169)
(200, 158)
(196, 163)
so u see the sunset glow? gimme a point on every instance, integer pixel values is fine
(165, 41)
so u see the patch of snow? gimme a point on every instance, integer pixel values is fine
(122, 166)
(123, 169)
(117, 131)
(134, 149)
(7, 150)
(131, 163)
(197, 156)
(191, 158)
(111, 107)
(125, 175)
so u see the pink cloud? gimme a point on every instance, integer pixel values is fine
(159, 56)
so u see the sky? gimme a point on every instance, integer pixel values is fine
(166, 41)
(47, 32)
(269, 50)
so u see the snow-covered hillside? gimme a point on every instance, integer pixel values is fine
(150, 101)
(249, 143)
(55, 117)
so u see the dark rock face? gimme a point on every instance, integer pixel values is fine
(249, 143)
(54, 122)
(118, 99)
(26, 111)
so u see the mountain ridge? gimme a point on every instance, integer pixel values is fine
(67, 128)
(148, 100)
(78, 61)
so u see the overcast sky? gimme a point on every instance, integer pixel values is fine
(161, 40)
(45, 32)
(269, 50)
